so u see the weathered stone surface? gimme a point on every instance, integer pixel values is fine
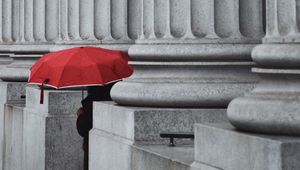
(57, 144)
(222, 147)
(10, 93)
(145, 124)
(13, 135)
(4, 59)
(273, 106)
(18, 69)
(189, 55)
(116, 129)
(162, 157)
(113, 152)
(109, 151)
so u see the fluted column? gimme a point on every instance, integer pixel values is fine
(192, 53)
(49, 25)
(273, 106)
(109, 23)
(34, 31)
(8, 29)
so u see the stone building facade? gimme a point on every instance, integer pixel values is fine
(226, 70)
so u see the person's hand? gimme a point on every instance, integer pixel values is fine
(79, 111)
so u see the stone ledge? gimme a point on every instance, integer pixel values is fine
(143, 124)
(162, 157)
(113, 152)
(220, 145)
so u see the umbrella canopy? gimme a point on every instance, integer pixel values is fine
(80, 66)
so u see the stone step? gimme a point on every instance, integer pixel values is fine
(118, 129)
(144, 124)
(13, 136)
(162, 157)
(221, 146)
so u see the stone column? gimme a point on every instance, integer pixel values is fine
(192, 53)
(35, 33)
(7, 12)
(8, 36)
(273, 106)
(106, 23)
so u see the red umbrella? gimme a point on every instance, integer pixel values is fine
(80, 66)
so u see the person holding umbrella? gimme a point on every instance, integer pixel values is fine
(92, 67)
(84, 114)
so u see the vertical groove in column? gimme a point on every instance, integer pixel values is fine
(235, 6)
(119, 19)
(52, 23)
(134, 18)
(21, 22)
(63, 19)
(168, 29)
(162, 19)
(188, 21)
(39, 20)
(103, 19)
(1, 19)
(285, 15)
(203, 18)
(294, 27)
(141, 35)
(15, 20)
(225, 24)
(7, 20)
(270, 24)
(179, 20)
(28, 23)
(297, 13)
(276, 20)
(86, 19)
(73, 19)
(251, 18)
(148, 19)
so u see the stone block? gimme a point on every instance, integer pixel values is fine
(109, 152)
(13, 137)
(162, 157)
(51, 140)
(118, 129)
(10, 92)
(220, 146)
(144, 124)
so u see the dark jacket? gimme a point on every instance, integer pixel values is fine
(96, 93)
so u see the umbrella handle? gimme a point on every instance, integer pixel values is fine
(42, 91)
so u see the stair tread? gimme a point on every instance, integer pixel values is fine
(183, 154)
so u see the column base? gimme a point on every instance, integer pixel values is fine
(221, 147)
(186, 75)
(185, 84)
(272, 107)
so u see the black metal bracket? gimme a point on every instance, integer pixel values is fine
(172, 135)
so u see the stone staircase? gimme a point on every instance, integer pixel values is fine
(152, 157)
(127, 138)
